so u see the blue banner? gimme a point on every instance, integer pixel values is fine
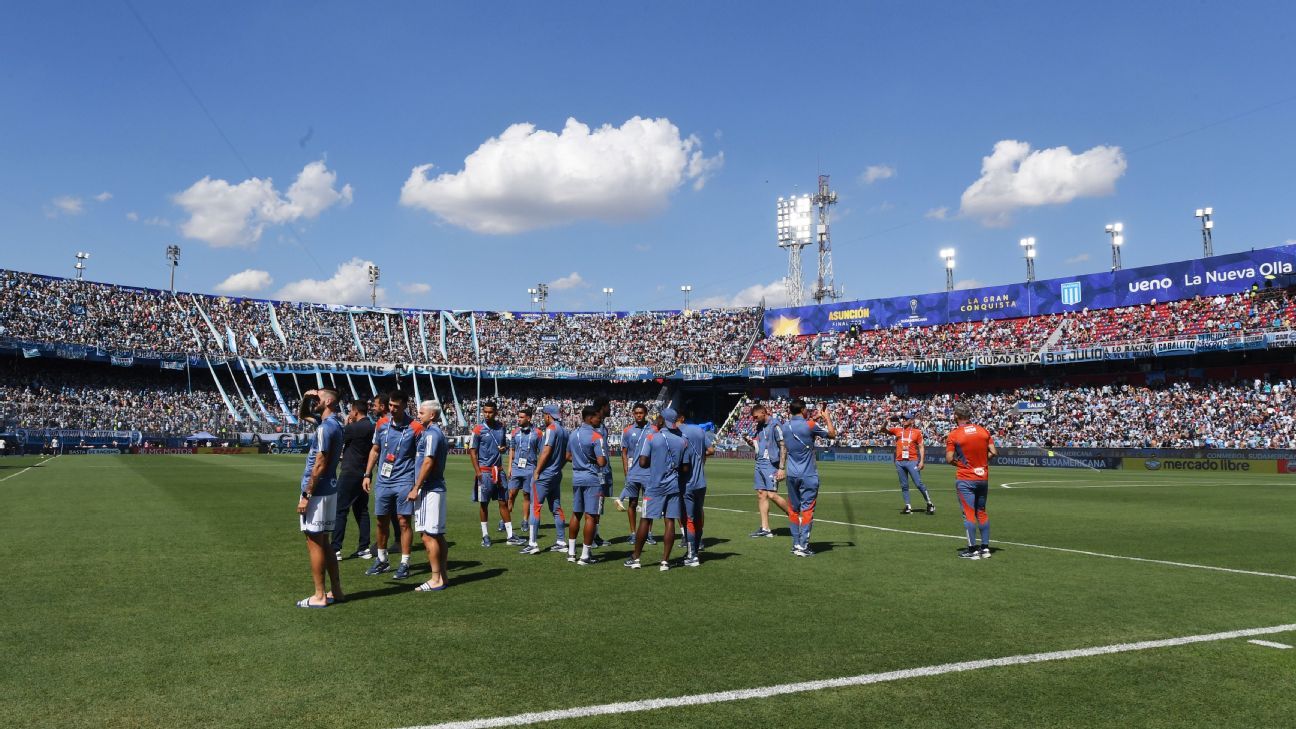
(1219, 275)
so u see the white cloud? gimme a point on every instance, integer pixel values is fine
(885, 206)
(132, 216)
(774, 294)
(873, 173)
(940, 213)
(1014, 176)
(223, 214)
(155, 220)
(348, 285)
(1081, 258)
(570, 281)
(528, 178)
(415, 288)
(248, 281)
(968, 283)
(67, 205)
(104, 196)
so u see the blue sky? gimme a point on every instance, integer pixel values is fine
(1165, 106)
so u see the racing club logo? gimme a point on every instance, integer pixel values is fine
(1070, 293)
(1149, 464)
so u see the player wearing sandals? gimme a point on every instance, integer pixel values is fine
(429, 494)
(317, 506)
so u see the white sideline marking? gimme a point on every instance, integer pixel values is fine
(1270, 644)
(752, 494)
(1080, 484)
(763, 692)
(25, 470)
(961, 537)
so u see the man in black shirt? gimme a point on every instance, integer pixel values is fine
(357, 437)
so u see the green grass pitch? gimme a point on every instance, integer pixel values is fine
(158, 592)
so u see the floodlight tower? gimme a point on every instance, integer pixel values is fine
(374, 274)
(173, 259)
(1117, 240)
(793, 225)
(81, 257)
(1028, 248)
(539, 295)
(686, 289)
(607, 295)
(824, 199)
(948, 255)
(1204, 214)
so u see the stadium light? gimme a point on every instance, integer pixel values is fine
(687, 289)
(948, 255)
(173, 258)
(1117, 240)
(539, 295)
(374, 274)
(1208, 224)
(81, 257)
(607, 299)
(1028, 244)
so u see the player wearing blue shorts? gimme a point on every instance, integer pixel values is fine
(547, 481)
(636, 476)
(486, 451)
(767, 441)
(524, 446)
(395, 451)
(802, 473)
(604, 406)
(701, 445)
(910, 452)
(429, 495)
(588, 453)
(667, 456)
(317, 504)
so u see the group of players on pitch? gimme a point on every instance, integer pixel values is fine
(663, 464)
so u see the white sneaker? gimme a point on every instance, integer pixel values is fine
(665, 566)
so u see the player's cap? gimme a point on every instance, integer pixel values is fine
(550, 410)
(907, 416)
(669, 415)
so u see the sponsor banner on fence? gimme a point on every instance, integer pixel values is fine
(230, 451)
(93, 451)
(1284, 465)
(162, 451)
(1202, 465)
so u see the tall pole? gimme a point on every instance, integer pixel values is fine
(607, 303)
(81, 257)
(824, 199)
(687, 289)
(1117, 240)
(948, 255)
(173, 258)
(539, 295)
(1028, 249)
(1208, 224)
(375, 273)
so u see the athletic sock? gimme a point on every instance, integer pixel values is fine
(585, 551)
(382, 555)
(508, 529)
(485, 529)
(532, 528)
(571, 547)
(405, 559)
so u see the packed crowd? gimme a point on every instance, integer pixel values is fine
(118, 318)
(1257, 414)
(1238, 313)
(570, 400)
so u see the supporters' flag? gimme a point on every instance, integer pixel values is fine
(265, 414)
(355, 334)
(231, 340)
(283, 406)
(423, 335)
(418, 398)
(372, 387)
(472, 322)
(354, 395)
(255, 344)
(123, 360)
(274, 325)
(409, 348)
(437, 397)
(845, 370)
(239, 391)
(30, 352)
(221, 389)
(167, 364)
(454, 395)
(387, 328)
